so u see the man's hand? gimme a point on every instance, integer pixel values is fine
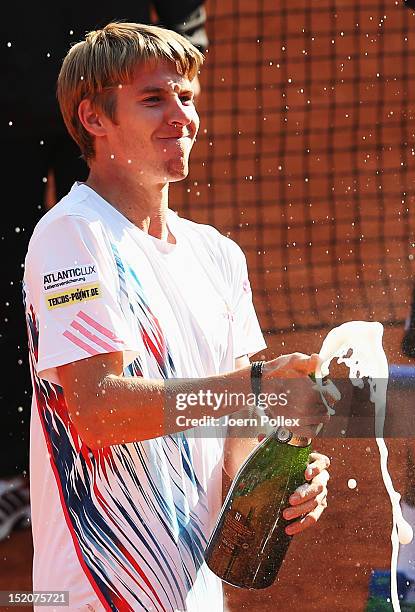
(304, 402)
(293, 365)
(310, 499)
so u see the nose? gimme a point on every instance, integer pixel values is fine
(181, 114)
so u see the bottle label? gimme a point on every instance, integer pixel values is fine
(236, 532)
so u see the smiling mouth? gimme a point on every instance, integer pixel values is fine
(176, 136)
(177, 142)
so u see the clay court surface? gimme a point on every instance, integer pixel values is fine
(319, 196)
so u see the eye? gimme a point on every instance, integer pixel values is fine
(152, 99)
(188, 97)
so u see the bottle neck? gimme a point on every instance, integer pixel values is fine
(285, 436)
(301, 441)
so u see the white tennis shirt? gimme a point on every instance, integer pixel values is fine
(125, 527)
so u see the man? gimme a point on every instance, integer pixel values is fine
(121, 294)
(30, 58)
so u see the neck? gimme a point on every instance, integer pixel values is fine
(144, 205)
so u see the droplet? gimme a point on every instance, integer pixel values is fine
(351, 483)
(405, 532)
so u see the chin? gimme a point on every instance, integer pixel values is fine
(177, 171)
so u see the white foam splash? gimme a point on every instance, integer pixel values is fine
(358, 344)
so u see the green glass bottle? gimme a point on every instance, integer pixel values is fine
(249, 543)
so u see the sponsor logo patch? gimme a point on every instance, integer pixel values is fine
(69, 276)
(73, 296)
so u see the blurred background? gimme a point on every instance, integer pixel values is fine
(306, 157)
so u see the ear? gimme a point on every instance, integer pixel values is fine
(91, 118)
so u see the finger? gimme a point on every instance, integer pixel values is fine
(309, 491)
(301, 509)
(312, 473)
(330, 392)
(305, 507)
(307, 419)
(318, 464)
(308, 521)
(292, 365)
(316, 456)
(305, 400)
(306, 364)
(321, 478)
(315, 362)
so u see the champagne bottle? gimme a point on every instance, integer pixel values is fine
(249, 543)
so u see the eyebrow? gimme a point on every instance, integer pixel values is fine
(159, 90)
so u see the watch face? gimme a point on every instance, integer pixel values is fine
(284, 434)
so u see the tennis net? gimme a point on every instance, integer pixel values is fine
(305, 155)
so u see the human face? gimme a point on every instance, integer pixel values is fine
(156, 125)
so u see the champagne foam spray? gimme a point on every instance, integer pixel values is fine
(358, 344)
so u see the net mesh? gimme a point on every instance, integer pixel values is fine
(305, 155)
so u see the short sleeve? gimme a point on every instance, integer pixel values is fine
(248, 337)
(72, 284)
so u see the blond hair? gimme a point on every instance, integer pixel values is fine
(107, 58)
